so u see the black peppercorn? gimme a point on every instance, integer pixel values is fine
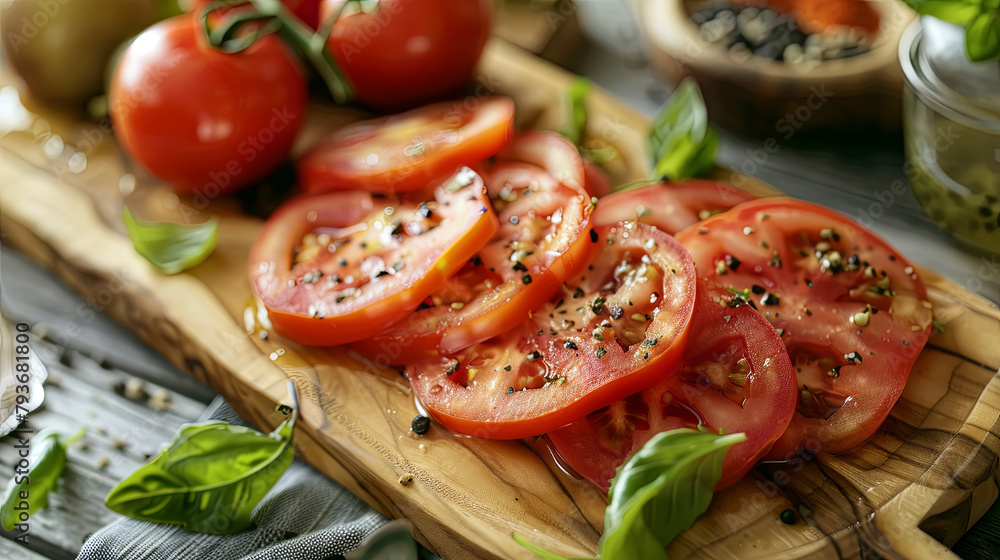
(420, 425)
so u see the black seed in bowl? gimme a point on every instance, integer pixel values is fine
(767, 34)
(701, 16)
(740, 40)
(774, 51)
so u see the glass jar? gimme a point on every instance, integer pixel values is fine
(951, 128)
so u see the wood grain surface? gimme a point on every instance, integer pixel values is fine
(931, 470)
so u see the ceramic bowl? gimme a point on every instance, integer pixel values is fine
(760, 96)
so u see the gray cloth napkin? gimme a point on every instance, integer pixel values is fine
(306, 516)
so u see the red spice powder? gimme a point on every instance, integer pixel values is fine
(815, 16)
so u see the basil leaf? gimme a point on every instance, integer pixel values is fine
(543, 554)
(30, 493)
(681, 142)
(981, 19)
(661, 490)
(982, 36)
(576, 128)
(171, 247)
(658, 493)
(209, 477)
(952, 11)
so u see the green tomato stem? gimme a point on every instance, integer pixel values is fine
(279, 19)
(323, 33)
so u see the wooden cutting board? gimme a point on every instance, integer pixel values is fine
(931, 469)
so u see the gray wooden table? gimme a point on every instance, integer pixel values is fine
(105, 380)
(90, 371)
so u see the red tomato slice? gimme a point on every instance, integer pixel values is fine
(596, 181)
(607, 335)
(544, 240)
(735, 377)
(670, 206)
(408, 151)
(852, 312)
(340, 267)
(550, 151)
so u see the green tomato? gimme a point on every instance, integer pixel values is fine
(60, 47)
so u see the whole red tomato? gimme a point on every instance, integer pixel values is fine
(408, 51)
(205, 121)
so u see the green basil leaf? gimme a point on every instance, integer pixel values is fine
(209, 477)
(576, 128)
(661, 490)
(952, 11)
(982, 36)
(30, 493)
(541, 553)
(658, 493)
(681, 142)
(599, 155)
(171, 247)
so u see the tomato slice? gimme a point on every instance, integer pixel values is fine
(408, 151)
(608, 334)
(596, 181)
(735, 376)
(544, 240)
(670, 206)
(851, 311)
(550, 151)
(339, 267)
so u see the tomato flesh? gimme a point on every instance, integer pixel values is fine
(596, 181)
(670, 206)
(606, 335)
(550, 151)
(336, 268)
(544, 240)
(408, 151)
(852, 312)
(735, 376)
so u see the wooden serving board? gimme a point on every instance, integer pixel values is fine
(931, 470)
